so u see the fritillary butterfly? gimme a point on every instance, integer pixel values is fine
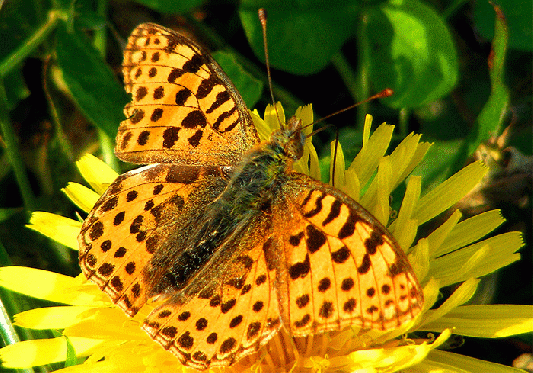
(221, 228)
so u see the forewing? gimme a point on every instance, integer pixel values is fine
(183, 105)
(232, 315)
(341, 266)
(133, 218)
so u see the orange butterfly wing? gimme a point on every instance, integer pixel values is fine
(232, 309)
(341, 266)
(311, 258)
(131, 221)
(184, 109)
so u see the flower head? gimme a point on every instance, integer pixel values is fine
(454, 253)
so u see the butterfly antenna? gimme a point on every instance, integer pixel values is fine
(262, 13)
(385, 93)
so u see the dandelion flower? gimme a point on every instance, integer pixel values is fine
(93, 328)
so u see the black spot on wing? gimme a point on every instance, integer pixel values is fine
(182, 96)
(349, 225)
(365, 265)
(194, 64)
(318, 207)
(300, 269)
(143, 138)
(194, 119)
(170, 137)
(222, 117)
(372, 242)
(221, 99)
(334, 212)
(194, 140)
(341, 255)
(315, 238)
(206, 86)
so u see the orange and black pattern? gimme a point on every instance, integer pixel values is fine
(220, 232)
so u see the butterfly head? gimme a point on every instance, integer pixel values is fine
(291, 138)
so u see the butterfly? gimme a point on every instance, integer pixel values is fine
(217, 227)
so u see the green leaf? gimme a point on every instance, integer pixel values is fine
(302, 36)
(490, 120)
(412, 52)
(86, 14)
(90, 20)
(19, 20)
(518, 14)
(249, 87)
(71, 354)
(171, 6)
(91, 82)
(7, 213)
(16, 89)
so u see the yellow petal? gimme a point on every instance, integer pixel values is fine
(410, 199)
(448, 362)
(366, 162)
(402, 158)
(487, 321)
(419, 259)
(314, 164)
(52, 286)
(405, 236)
(132, 365)
(449, 192)
(109, 324)
(273, 116)
(497, 252)
(131, 357)
(305, 113)
(437, 237)
(460, 296)
(53, 317)
(37, 352)
(471, 230)
(366, 129)
(337, 165)
(58, 228)
(351, 186)
(262, 128)
(82, 196)
(96, 172)
(431, 295)
(376, 198)
(419, 154)
(308, 164)
(317, 364)
(395, 358)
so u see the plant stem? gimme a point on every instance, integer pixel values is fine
(27, 47)
(345, 71)
(403, 122)
(363, 88)
(108, 154)
(13, 152)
